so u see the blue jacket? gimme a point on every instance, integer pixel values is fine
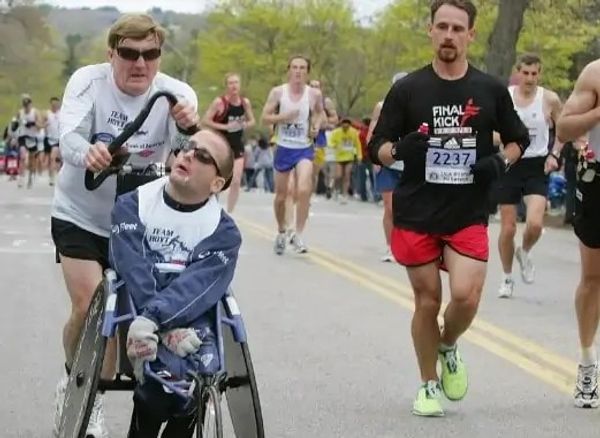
(148, 231)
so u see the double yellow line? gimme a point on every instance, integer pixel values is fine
(531, 357)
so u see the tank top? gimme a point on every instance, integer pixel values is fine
(534, 119)
(52, 131)
(235, 113)
(294, 134)
(25, 118)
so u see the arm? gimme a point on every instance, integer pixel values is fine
(374, 118)
(76, 119)
(513, 133)
(250, 120)
(202, 284)
(216, 107)
(127, 251)
(580, 113)
(185, 95)
(331, 114)
(268, 113)
(357, 146)
(40, 120)
(555, 110)
(388, 129)
(317, 116)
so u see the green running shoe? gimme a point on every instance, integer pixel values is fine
(454, 375)
(427, 403)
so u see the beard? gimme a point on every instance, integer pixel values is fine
(447, 54)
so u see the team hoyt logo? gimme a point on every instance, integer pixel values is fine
(454, 119)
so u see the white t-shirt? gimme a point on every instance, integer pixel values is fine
(534, 119)
(294, 135)
(94, 109)
(52, 130)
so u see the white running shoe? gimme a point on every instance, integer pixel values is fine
(298, 244)
(59, 399)
(507, 289)
(526, 265)
(388, 257)
(586, 388)
(280, 243)
(97, 426)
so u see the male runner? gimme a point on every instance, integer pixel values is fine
(232, 114)
(51, 139)
(98, 102)
(30, 124)
(440, 214)
(386, 180)
(203, 245)
(348, 150)
(538, 108)
(297, 111)
(580, 115)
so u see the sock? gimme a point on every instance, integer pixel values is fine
(507, 278)
(588, 356)
(443, 348)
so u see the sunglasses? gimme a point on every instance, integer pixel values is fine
(201, 154)
(130, 54)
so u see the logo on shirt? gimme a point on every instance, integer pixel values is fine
(118, 119)
(451, 119)
(103, 137)
(168, 245)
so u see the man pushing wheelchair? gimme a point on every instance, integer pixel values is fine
(176, 251)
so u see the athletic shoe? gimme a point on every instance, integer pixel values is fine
(280, 242)
(526, 265)
(298, 244)
(97, 426)
(427, 403)
(507, 289)
(59, 399)
(586, 388)
(454, 375)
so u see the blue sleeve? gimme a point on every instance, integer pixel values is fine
(202, 284)
(127, 255)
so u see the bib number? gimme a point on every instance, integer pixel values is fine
(449, 166)
(348, 146)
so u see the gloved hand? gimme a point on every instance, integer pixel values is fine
(411, 147)
(181, 341)
(142, 344)
(488, 169)
(29, 124)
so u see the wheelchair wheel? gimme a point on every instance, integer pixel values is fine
(210, 418)
(241, 390)
(85, 372)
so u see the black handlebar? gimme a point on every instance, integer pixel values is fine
(93, 181)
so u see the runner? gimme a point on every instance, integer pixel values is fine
(346, 144)
(528, 179)
(297, 110)
(232, 114)
(98, 102)
(30, 124)
(440, 214)
(386, 180)
(581, 115)
(330, 122)
(51, 139)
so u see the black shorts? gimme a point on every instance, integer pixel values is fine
(525, 177)
(77, 243)
(587, 213)
(48, 145)
(31, 147)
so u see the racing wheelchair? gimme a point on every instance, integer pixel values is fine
(112, 309)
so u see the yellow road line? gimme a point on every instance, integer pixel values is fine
(549, 367)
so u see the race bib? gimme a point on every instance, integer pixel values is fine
(450, 165)
(293, 130)
(348, 146)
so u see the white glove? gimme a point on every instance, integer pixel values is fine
(181, 341)
(142, 344)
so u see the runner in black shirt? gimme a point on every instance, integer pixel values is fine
(439, 206)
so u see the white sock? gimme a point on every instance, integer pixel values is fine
(444, 348)
(588, 356)
(507, 278)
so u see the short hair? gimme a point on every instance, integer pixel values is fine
(465, 5)
(54, 98)
(231, 74)
(305, 58)
(528, 59)
(135, 26)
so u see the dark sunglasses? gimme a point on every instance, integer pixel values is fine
(201, 154)
(130, 54)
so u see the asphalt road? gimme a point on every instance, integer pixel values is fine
(328, 331)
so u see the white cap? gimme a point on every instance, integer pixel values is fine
(398, 76)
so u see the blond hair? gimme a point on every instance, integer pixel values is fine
(135, 26)
(230, 75)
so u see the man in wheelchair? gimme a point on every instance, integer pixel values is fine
(176, 250)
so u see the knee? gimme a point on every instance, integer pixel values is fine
(509, 229)
(428, 304)
(535, 226)
(79, 309)
(279, 198)
(467, 299)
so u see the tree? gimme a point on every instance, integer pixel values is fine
(72, 61)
